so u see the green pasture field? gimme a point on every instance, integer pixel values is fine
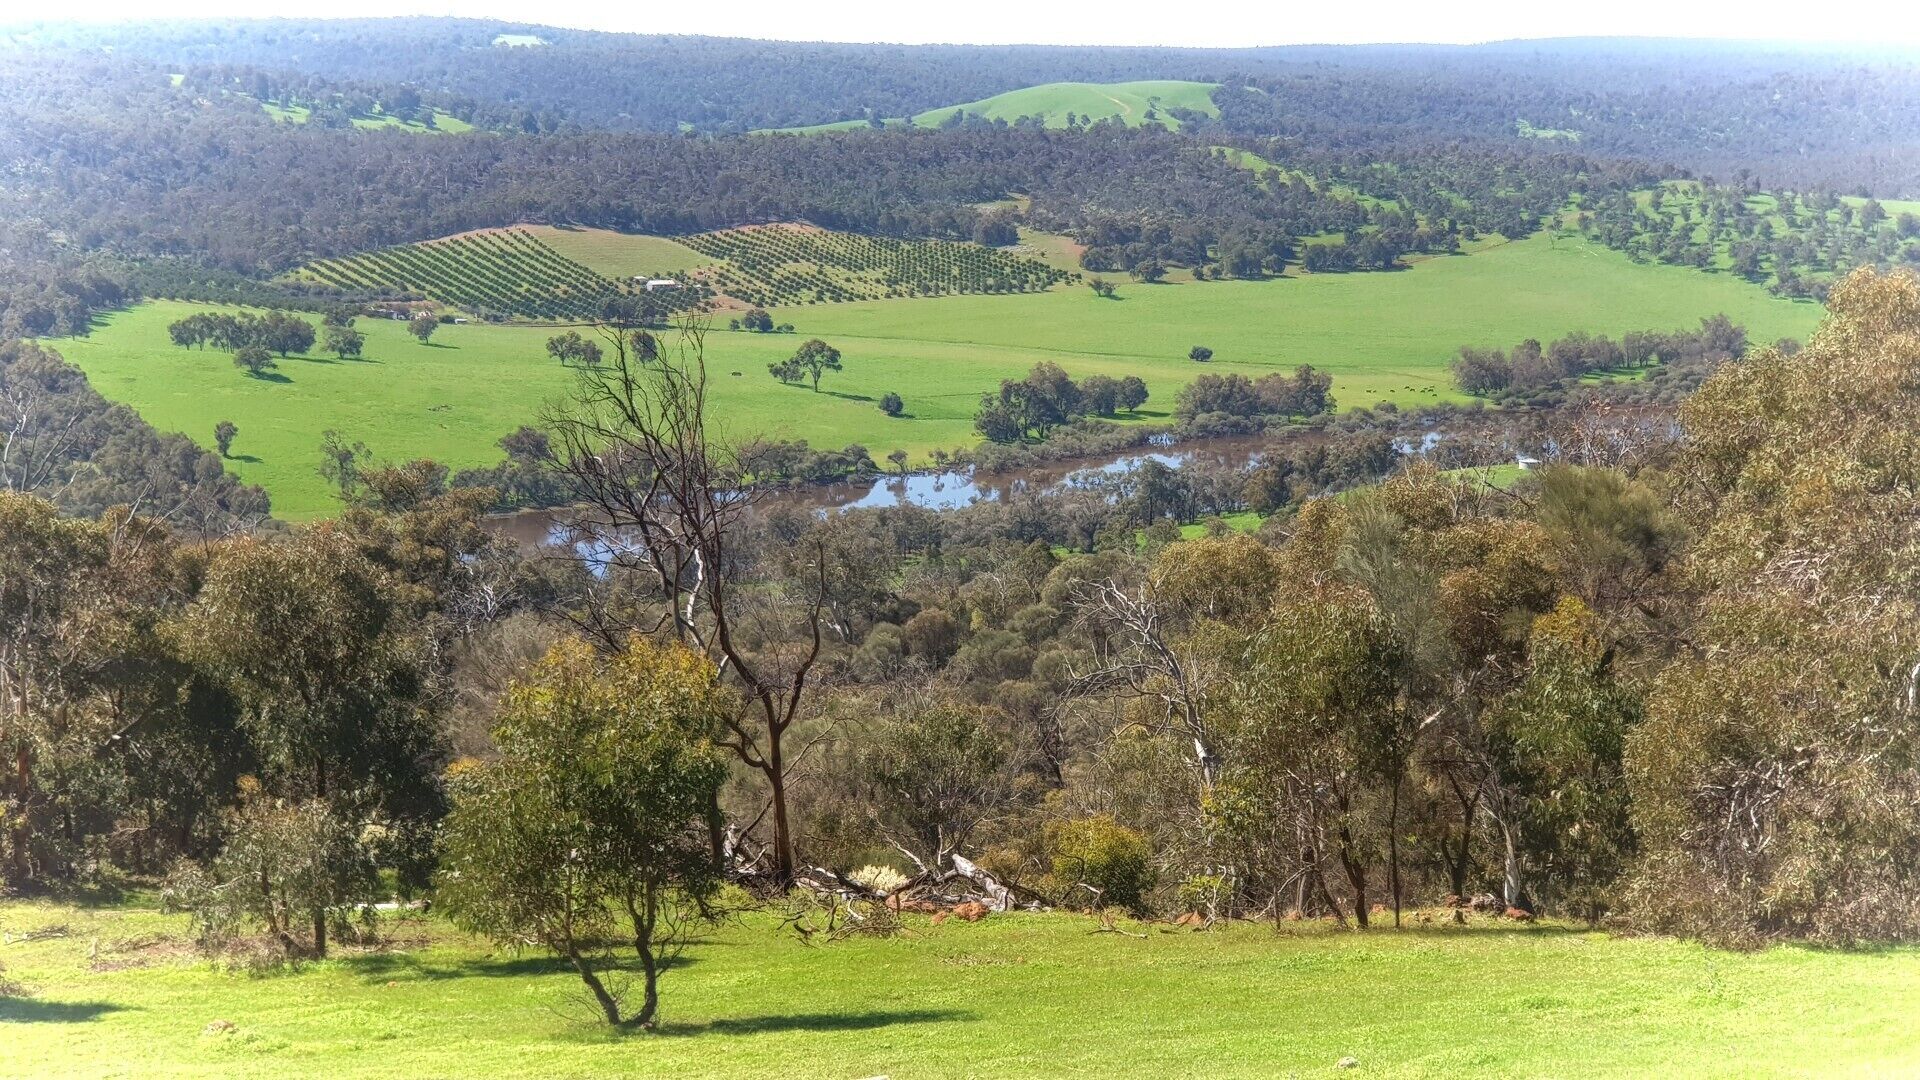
(118, 993)
(618, 255)
(1245, 521)
(1383, 336)
(1127, 101)
(444, 122)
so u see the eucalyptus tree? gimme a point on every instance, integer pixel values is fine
(666, 500)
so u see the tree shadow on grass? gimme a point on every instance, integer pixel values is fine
(269, 376)
(847, 397)
(35, 1011)
(1476, 927)
(246, 459)
(399, 967)
(865, 1020)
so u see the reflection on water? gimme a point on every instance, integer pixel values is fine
(956, 488)
(950, 489)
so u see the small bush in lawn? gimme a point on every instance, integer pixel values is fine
(1098, 862)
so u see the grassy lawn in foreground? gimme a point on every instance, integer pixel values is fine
(1384, 337)
(1021, 995)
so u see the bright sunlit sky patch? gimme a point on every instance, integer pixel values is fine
(1122, 22)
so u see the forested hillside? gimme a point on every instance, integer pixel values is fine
(1792, 115)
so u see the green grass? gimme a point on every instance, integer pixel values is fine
(1245, 521)
(1019, 995)
(1893, 207)
(1384, 337)
(1528, 131)
(1128, 102)
(443, 122)
(1501, 477)
(616, 254)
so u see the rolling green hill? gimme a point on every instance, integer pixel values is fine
(1133, 103)
(1384, 337)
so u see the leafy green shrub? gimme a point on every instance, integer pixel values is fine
(1099, 862)
(288, 869)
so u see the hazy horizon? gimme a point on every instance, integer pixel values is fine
(1123, 24)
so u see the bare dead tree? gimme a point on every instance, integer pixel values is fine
(664, 502)
(1139, 659)
(33, 442)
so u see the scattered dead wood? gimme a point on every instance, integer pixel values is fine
(1109, 926)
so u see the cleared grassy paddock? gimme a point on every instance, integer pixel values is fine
(1384, 337)
(1128, 102)
(617, 254)
(1023, 995)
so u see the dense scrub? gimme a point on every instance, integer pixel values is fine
(1660, 680)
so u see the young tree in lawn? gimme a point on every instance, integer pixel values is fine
(1200, 354)
(253, 359)
(1132, 393)
(1099, 395)
(787, 371)
(571, 348)
(223, 435)
(344, 341)
(594, 822)
(284, 333)
(341, 462)
(816, 358)
(891, 404)
(192, 330)
(422, 325)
